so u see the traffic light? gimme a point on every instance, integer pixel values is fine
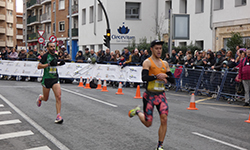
(107, 38)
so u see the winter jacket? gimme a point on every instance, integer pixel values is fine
(244, 69)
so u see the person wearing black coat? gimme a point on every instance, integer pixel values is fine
(218, 62)
(209, 60)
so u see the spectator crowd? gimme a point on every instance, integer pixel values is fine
(218, 61)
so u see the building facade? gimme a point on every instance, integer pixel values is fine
(52, 17)
(231, 16)
(19, 31)
(7, 23)
(211, 21)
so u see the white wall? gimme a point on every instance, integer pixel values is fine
(230, 12)
(145, 27)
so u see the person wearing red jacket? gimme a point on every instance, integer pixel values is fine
(244, 72)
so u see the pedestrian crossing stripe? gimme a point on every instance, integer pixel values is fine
(15, 134)
(40, 148)
(10, 122)
(1, 105)
(5, 112)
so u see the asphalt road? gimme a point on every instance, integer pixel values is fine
(99, 120)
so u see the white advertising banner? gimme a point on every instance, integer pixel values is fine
(74, 70)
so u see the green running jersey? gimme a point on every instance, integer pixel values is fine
(49, 72)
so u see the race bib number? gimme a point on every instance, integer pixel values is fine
(52, 70)
(159, 85)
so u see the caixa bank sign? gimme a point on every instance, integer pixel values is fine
(123, 34)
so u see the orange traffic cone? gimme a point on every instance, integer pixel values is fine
(192, 103)
(87, 86)
(119, 92)
(138, 93)
(248, 121)
(104, 88)
(81, 83)
(99, 85)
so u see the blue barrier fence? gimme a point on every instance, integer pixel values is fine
(202, 80)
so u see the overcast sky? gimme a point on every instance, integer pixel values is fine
(19, 6)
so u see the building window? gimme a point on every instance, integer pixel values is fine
(218, 4)
(100, 46)
(240, 2)
(99, 12)
(199, 44)
(182, 44)
(183, 6)
(61, 26)
(54, 6)
(199, 6)
(61, 4)
(54, 28)
(132, 10)
(83, 16)
(91, 14)
(48, 29)
(168, 5)
(92, 47)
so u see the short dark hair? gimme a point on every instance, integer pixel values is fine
(48, 44)
(86, 49)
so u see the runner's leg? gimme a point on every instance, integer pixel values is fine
(163, 127)
(143, 120)
(45, 95)
(57, 92)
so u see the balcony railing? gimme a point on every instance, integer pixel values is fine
(74, 32)
(19, 37)
(45, 1)
(46, 17)
(2, 30)
(74, 9)
(2, 17)
(33, 2)
(9, 31)
(33, 19)
(9, 43)
(9, 18)
(2, 3)
(19, 26)
(32, 36)
(2, 42)
(10, 5)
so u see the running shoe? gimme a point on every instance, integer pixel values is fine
(132, 112)
(160, 148)
(39, 101)
(59, 119)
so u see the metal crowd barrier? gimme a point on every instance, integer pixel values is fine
(209, 82)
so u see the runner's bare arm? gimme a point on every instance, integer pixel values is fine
(42, 66)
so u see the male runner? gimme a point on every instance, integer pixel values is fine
(50, 79)
(156, 72)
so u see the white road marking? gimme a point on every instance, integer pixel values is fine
(40, 148)
(94, 99)
(35, 125)
(10, 122)
(219, 141)
(15, 134)
(1, 105)
(18, 86)
(5, 112)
